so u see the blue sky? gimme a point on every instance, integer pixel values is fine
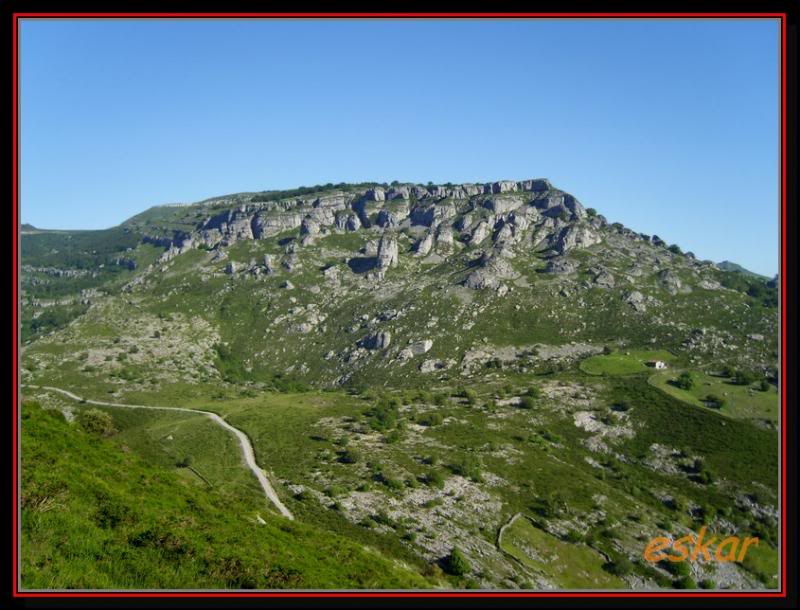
(668, 126)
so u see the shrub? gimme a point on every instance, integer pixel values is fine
(707, 584)
(430, 419)
(97, 422)
(685, 582)
(456, 563)
(675, 249)
(435, 479)
(717, 402)
(534, 391)
(621, 566)
(763, 385)
(467, 466)
(527, 402)
(685, 381)
(349, 456)
(741, 377)
(471, 396)
(676, 568)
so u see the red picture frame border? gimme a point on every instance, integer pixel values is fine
(782, 593)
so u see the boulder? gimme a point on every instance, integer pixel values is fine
(379, 340)
(636, 300)
(670, 281)
(416, 349)
(560, 266)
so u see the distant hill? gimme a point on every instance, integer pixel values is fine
(730, 266)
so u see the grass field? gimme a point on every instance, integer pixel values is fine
(628, 362)
(741, 402)
(95, 516)
(571, 566)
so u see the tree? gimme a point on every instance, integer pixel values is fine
(456, 563)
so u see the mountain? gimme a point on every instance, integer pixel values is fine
(424, 368)
(729, 266)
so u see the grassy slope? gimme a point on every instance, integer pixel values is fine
(81, 528)
(740, 401)
(570, 566)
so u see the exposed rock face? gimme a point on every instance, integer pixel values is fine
(480, 233)
(432, 214)
(430, 366)
(491, 271)
(503, 204)
(560, 266)
(603, 278)
(309, 226)
(670, 281)
(575, 236)
(348, 221)
(398, 192)
(267, 226)
(391, 219)
(535, 185)
(636, 300)
(424, 245)
(504, 186)
(376, 194)
(269, 263)
(388, 253)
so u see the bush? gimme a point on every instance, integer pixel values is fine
(435, 479)
(534, 391)
(685, 381)
(675, 249)
(685, 582)
(741, 377)
(430, 419)
(527, 402)
(456, 563)
(763, 385)
(467, 466)
(471, 396)
(621, 566)
(707, 584)
(717, 402)
(97, 422)
(349, 456)
(676, 568)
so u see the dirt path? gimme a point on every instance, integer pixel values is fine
(244, 442)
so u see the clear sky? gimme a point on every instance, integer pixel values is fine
(668, 126)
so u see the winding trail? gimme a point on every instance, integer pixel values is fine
(244, 442)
